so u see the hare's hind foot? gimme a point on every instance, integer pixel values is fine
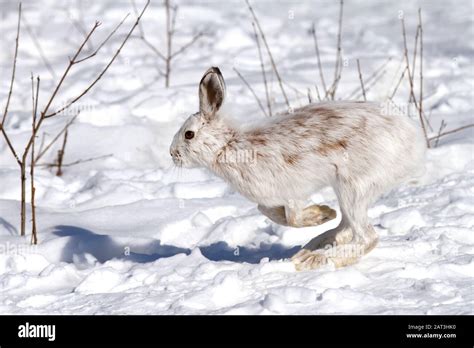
(313, 215)
(335, 247)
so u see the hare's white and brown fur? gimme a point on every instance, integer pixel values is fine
(352, 146)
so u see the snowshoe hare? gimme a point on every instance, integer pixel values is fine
(279, 163)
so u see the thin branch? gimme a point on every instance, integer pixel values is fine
(415, 50)
(317, 92)
(372, 83)
(80, 28)
(153, 48)
(338, 67)
(63, 77)
(93, 54)
(441, 128)
(61, 153)
(51, 143)
(410, 80)
(39, 49)
(420, 100)
(34, 97)
(451, 131)
(52, 165)
(142, 35)
(255, 19)
(361, 80)
(169, 42)
(251, 90)
(375, 76)
(186, 46)
(10, 91)
(398, 83)
(102, 72)
(262, 67)
(316, 47)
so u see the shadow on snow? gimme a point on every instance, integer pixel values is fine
(83, 242)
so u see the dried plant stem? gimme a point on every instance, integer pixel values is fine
(398, 84)
(251, 90)
(420, 99)
(317, 92)
(374, 77)
(316, 47)
(310, 99)
(452, 131)
(441, 128)
(10, 91)
(338, 66)
(410, 80)
(44, 113)
(34, 237)
(415, 49)
(42, 150)
(37, 44)
(361, 80)
(53, 165)
(167, 58)
(262, 67)
(267, 47)
(61, 152)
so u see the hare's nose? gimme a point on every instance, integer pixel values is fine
(174, 153)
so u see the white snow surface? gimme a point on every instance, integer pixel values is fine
(129, 234)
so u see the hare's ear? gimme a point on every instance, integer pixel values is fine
(211, 92)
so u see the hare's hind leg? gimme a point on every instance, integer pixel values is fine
(295, 215)
(345, 244)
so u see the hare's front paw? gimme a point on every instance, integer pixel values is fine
(334, 247)
(339, 256)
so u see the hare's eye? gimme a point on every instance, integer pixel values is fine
(189, 134)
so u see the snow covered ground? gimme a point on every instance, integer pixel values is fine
(129, 234)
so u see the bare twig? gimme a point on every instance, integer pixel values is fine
(10, 91)
(441, 128)
(451, 131)
(93, 54)
(143, 38)
(251, 90)
(415, 50)
(186, 46)
(374, 77)
(410, 80)
(372, 83)
(420, 100)
(53, 165)
(262, 35)
(310, 99)
(338, 67)
(61, 153)
(34, 237)
(316, 47)
(262, 66)
(361, 80)
(39, 49)
(398, 83)
(317, 92)
(44, 114)
(169, 38)
(42, 150)
(170, 29)
(73, 61)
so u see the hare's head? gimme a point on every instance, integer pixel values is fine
(203, 133)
